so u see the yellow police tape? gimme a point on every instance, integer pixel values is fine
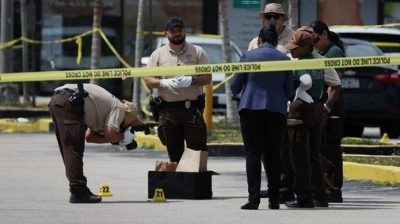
(201, 69)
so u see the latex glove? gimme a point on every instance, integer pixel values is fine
(128, 137)
(303, 95)
(171, 84)
(184, 81)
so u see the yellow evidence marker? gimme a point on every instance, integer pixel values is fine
(105, 190)
(159, 195)
(385, 138)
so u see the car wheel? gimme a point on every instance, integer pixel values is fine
(392, 131)
(353, 130)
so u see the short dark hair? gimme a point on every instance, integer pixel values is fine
(268, 34)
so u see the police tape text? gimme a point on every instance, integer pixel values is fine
(97, 74)
(357, 62)
(228, 68)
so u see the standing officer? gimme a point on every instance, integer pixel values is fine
(180, 113)
(87, 110)
(273, 14)
(262, 110)
(330, 46)
(305, 121)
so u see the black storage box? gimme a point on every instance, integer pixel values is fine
(181, 185)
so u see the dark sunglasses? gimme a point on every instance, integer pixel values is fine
(268, 17)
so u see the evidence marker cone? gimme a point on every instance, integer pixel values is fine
(385, 138)
(105, 190)
(159, 195)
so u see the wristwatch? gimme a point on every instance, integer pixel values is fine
(193, 81)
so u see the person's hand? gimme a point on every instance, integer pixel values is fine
(171, 84)
(303, 95)
(327, 109)
(184, 81)
(128, 137)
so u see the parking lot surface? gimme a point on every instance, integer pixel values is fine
(35, 190)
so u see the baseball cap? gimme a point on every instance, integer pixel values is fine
(174, 21)
(301, 37)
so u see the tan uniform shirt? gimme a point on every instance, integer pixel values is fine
(189, 55)
(283, 39)
(101, 108)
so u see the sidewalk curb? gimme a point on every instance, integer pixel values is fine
(381, 174)
(353, 171)
(11, 125)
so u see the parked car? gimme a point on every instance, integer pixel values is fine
(213, 48)
(386, 38)
(372, 93)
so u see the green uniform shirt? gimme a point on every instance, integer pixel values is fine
(333, 51)
(317, 76)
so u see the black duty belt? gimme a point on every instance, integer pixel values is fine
(66, 92)
(180, 104)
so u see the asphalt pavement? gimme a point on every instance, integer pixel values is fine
(35, 190)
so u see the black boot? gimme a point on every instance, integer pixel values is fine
(321, 203)
(84, 196)
(273, 204)
(250, 206)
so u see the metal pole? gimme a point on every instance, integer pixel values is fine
(9, 91)
(24, 23)
(150, 26)
(6, 34)
(138, 52)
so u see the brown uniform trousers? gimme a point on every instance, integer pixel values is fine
(305, 144)
(286, 183)
(331, 146)
(177, 125)
(70, 132)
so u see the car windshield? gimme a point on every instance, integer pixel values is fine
(214, 52)
(386, 42)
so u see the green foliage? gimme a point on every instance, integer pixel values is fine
(148, 147)
(373, 160)
(224, 132)
(361, 141)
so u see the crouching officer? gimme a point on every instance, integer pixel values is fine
(87, 111)
(305, 121)
(180, 112)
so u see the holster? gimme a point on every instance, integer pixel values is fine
(201, 102)
(155, 104)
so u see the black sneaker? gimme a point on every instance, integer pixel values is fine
(85, 196)
(303, 204)
(322, 203)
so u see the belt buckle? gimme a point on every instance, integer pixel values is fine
(187, 104)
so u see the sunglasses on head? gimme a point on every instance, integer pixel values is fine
(268, 17)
